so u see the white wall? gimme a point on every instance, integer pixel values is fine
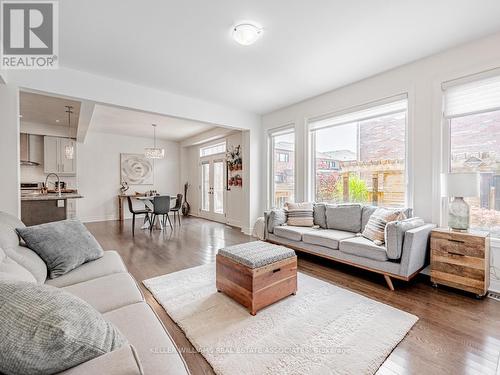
(422, 81)
(98, 173)
(9, 149)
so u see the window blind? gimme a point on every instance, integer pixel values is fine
(387, 107)
(472, 97)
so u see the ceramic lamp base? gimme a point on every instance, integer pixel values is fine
(458, 217)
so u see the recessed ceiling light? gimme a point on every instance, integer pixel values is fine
(246, 33)
(58, 120)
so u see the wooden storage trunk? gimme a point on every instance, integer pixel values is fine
(256, 288)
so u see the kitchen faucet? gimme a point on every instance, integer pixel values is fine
(58, 186)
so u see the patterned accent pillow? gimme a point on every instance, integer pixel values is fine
(300, 214)
(375, 228)
(46, 330)
(300, 217)
(296, 206)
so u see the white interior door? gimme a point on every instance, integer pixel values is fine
(212, 179)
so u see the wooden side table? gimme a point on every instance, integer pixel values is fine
(461, 260)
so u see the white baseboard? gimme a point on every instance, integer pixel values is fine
(494, 286)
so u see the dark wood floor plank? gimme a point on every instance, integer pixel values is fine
(455, 334)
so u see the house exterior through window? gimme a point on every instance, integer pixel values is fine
(360, 156)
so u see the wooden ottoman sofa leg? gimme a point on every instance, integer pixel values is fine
(389, 282)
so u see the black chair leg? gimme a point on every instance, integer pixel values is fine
(133, 225)
(171, 227)
(151, 225)
(179, 217)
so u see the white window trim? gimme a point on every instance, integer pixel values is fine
(311, 165)
(282, 130)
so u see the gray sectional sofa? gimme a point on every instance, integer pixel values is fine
(108, 287)
(336, 236)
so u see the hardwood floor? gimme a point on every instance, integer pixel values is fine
(455, 334)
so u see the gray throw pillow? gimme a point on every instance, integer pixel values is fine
(63, 245)
(320, 215)
(345, 217)
(46, 330)
(277, 217)
(395, 234)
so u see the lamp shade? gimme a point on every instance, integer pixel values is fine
(460, 185)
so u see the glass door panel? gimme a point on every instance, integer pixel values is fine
(218, 187)
(205, 187)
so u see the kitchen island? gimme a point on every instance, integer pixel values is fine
(45, 208)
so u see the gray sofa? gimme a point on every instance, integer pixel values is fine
(108, 287)
(336, 236)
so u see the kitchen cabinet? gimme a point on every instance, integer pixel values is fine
(55, 160)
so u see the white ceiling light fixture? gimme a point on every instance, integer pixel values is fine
(246, 33)
(154, 152)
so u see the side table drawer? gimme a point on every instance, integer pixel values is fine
(459, 246)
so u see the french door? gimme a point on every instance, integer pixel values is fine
(212, 172)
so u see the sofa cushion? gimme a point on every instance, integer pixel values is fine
(276, 217)
(363, 247)
(319, 212)
(395, 234)
(9, 241)
(45, 330)
(345, 217)
(123, 361)
(63, 245)
(10, 270)
(375, 228)
(107, 293)
(326, 237)
(145, 332)
(110, 263)
(291, 232)
(29, 260)
(8, 225)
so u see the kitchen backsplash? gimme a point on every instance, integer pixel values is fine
(31, 173)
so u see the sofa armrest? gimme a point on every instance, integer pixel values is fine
(415, 249)
(123, 361)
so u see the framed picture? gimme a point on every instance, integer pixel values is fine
(136, 169)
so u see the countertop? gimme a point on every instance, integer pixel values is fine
(50, 197)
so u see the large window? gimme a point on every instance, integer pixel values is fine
(282, 149)
(360, 156)
(472, 134)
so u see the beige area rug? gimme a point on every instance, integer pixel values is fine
(322, 330)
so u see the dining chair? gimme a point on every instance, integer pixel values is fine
(135, 212)
(177, 208)
(161, 207)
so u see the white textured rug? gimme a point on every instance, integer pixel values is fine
(322, 330)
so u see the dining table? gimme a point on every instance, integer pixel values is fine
(148, 202)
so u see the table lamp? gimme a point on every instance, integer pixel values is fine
(458, 186)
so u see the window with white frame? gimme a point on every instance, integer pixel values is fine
(360, 156)
(218, 148)
(282, 179)
(472, 142)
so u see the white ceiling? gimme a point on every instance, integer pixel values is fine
(113, 120)
(308, 47)
(48, 110)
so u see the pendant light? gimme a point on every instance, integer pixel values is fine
(69, 149)
(154, 152)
